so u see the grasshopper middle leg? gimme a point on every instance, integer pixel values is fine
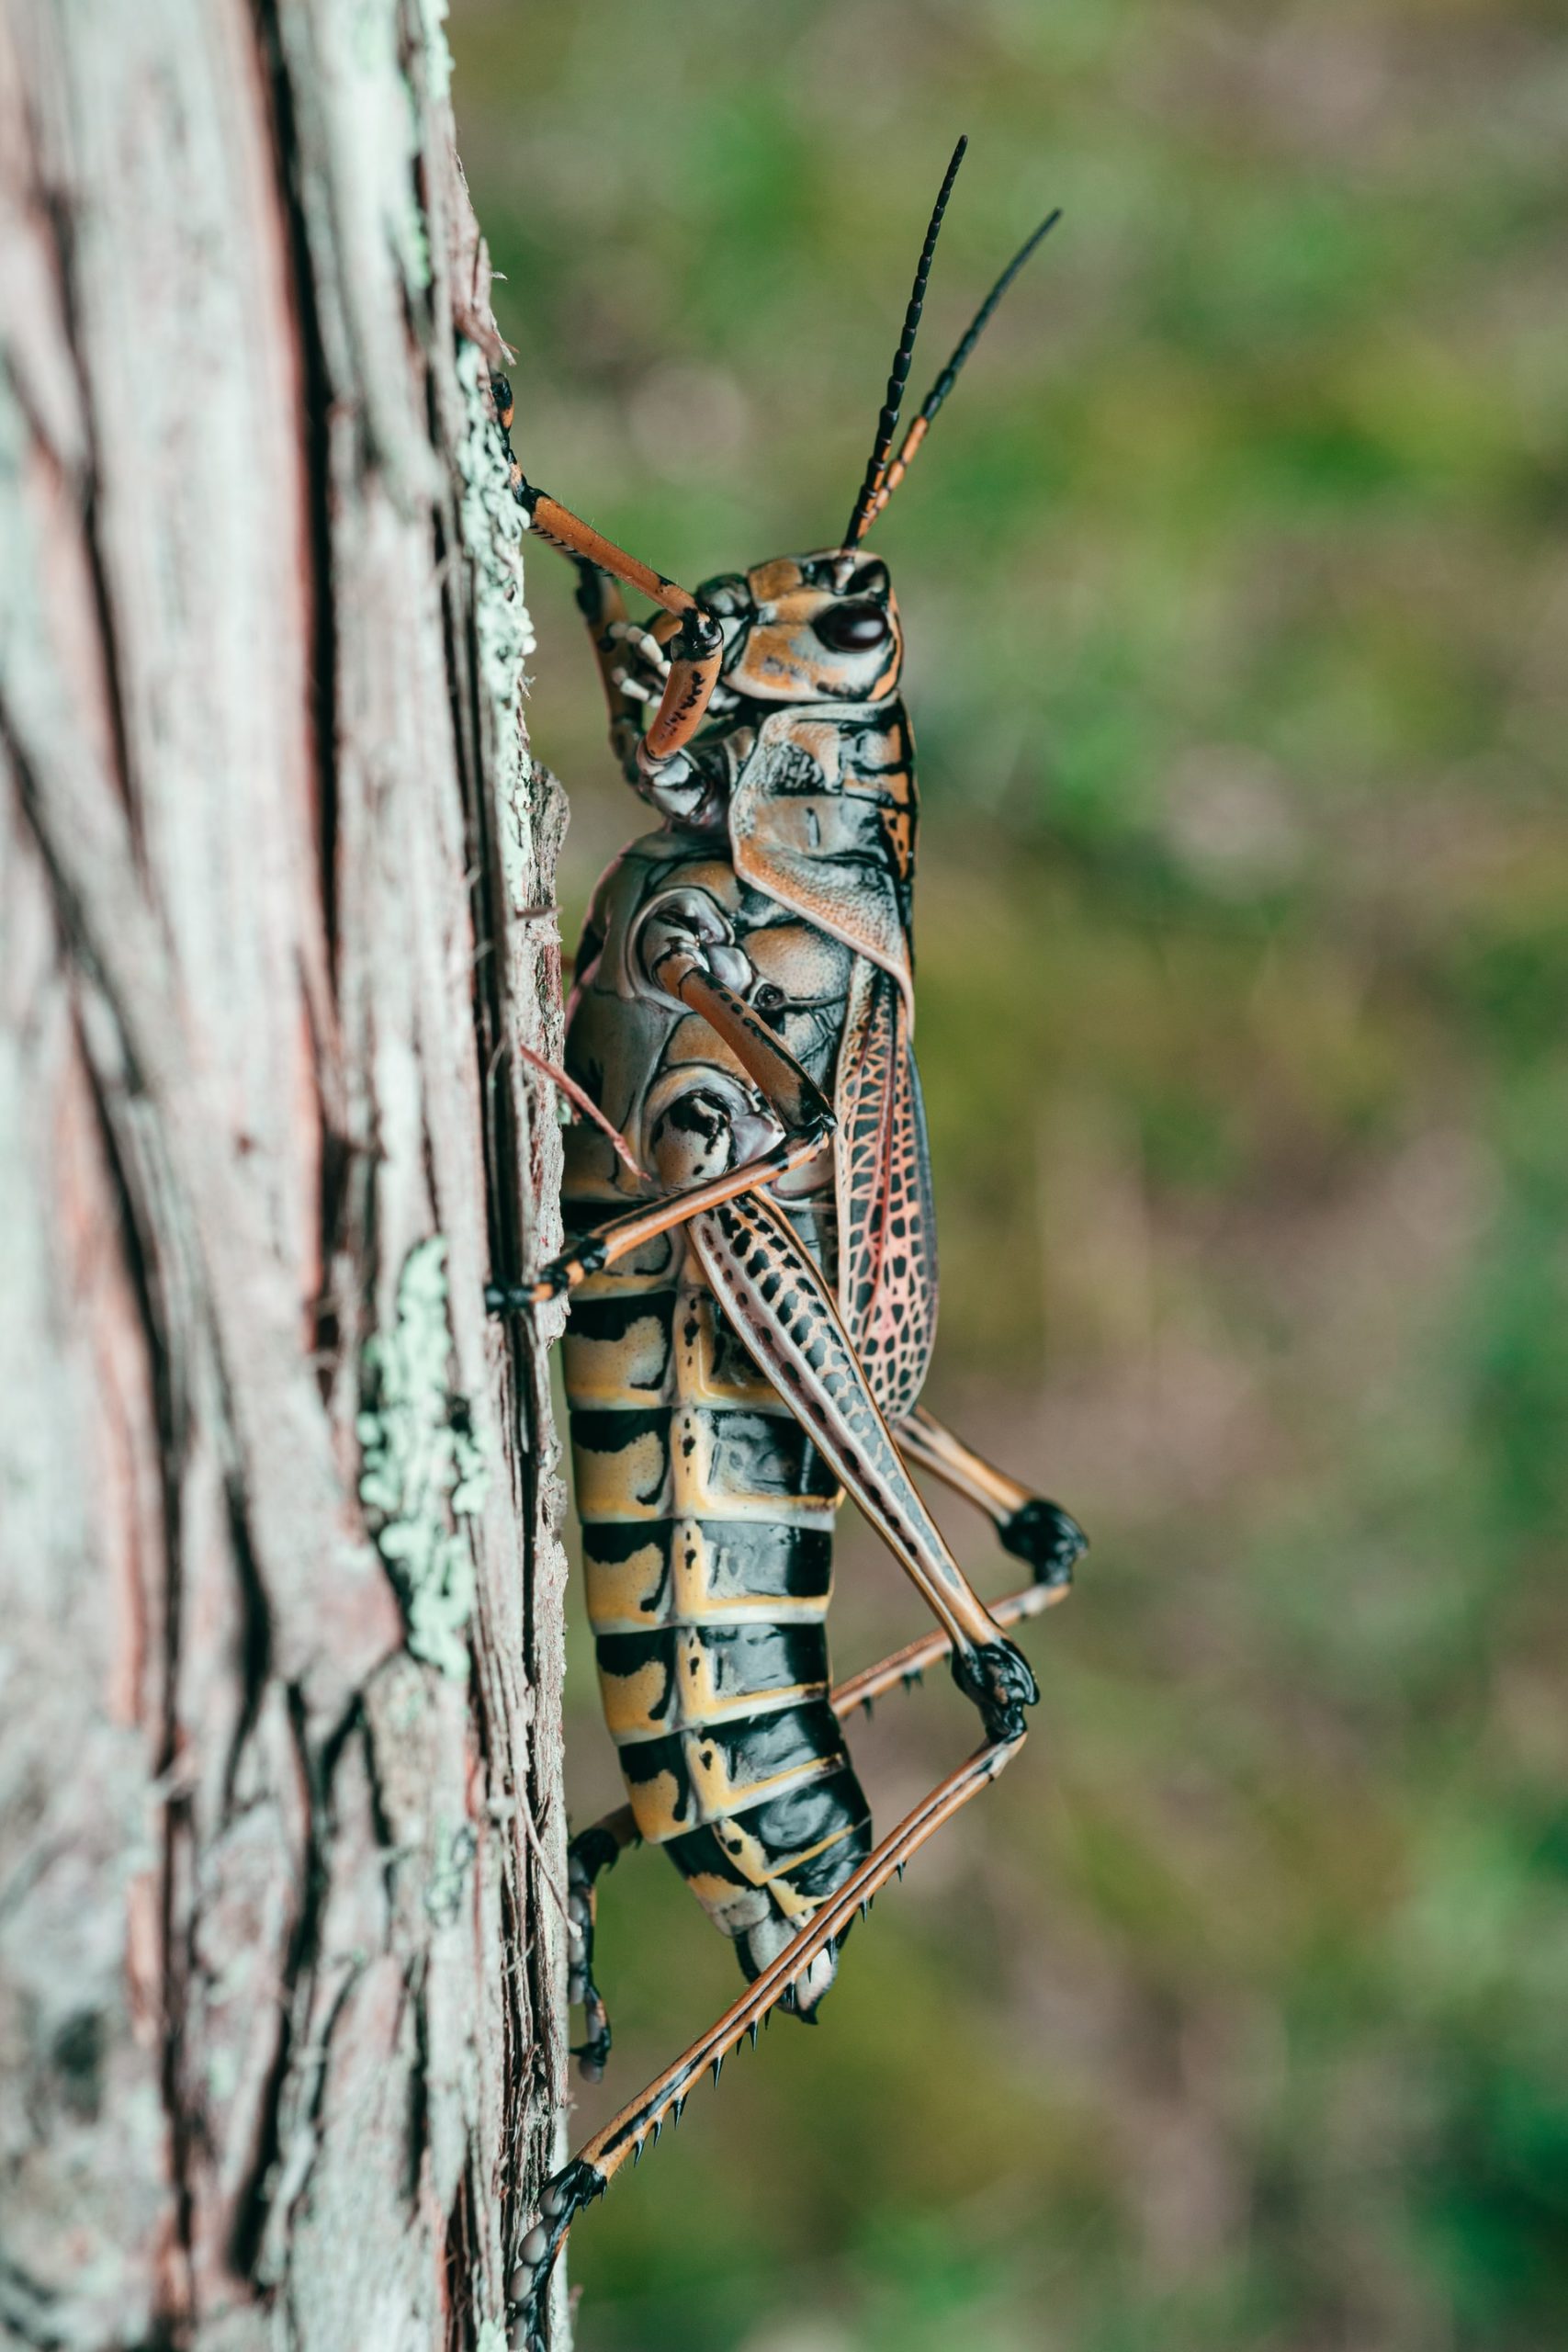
(1029, 1526)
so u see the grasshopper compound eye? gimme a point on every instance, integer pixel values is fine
(852, 629)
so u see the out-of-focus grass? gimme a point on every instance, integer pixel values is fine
(1236, 587)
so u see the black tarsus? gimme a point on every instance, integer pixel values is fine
(887, 423)
(1047, 1536)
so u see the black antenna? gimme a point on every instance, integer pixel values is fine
(894, 474)
(887, 423)
(977, 325)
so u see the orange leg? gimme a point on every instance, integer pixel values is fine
(592, 2170)
(696, 650)
(606, 1243)
(905, 1666)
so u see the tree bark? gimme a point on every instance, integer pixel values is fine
(281, 1969)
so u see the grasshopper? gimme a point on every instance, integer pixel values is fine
(751, 1266)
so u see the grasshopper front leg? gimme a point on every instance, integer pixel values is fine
(696, 648)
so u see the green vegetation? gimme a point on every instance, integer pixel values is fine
(1236, 585)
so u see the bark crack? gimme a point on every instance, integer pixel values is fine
(56, 211)
(316, 407)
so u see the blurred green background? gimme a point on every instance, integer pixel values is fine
(1235, 578)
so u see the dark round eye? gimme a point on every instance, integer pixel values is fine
(852, 629)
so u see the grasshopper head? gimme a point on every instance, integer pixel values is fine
(824, 627)
(820, 627)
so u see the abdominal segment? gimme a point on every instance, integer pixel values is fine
(707, 1520)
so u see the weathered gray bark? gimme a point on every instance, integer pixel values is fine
(279, 1585)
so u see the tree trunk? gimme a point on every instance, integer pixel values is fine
(281, 1966)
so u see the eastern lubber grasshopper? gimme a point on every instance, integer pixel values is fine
(753, 1276)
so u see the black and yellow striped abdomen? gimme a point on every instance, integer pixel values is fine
(707, 1520)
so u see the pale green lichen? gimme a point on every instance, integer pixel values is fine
(372, 34)
(456, 1850)
(491, 2336)
(492, 525)
(438, 54)
(425, 1465)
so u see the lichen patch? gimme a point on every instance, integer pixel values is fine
(425, 1467)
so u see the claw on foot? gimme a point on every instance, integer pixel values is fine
(1000, 1682)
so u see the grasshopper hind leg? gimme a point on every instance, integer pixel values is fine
(1029, 1525)
(623, 2139)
